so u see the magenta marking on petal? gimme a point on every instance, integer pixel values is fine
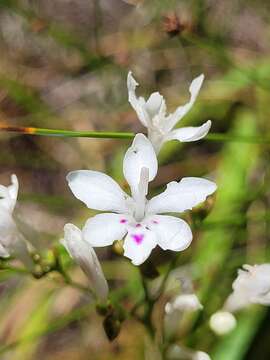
(123, 221)
(138, 225)
(138, 238)
(154, 221)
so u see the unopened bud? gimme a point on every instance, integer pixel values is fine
(222, 322)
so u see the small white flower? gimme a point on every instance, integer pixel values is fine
(201, 355)
(134, 217)
(184, 302)
(222, 322)
(252, 286)
(84, 255)
(160, 126)
(12, 241)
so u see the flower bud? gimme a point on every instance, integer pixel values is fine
(200, 355)
(184, 302)
(222, 322)
(85, 256)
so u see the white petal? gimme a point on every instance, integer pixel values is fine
(85, 256)
(187, 134)
(8, 194)
(140, 155)
(97, 190)
(138, 245)
(181, 196)
(172, 233)
(181, 111)
(104, 229)
(138, 104)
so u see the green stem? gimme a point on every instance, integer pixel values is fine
(67, 133)
(124, 135)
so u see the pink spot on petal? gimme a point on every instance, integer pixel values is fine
(138, 238)
(138, 225)
(123, 221)
(154, 221)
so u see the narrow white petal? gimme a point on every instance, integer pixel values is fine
(138, 104)
(140, 155)
(181, 111)
(85, 256)
(138, 245)
(172, 233)
(97, 190)
(181, 196)
(104, 229)
(192, 133)
(14, 187)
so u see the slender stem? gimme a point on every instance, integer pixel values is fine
(146, 319)
(165, 278)
(66, 133)
(125, 135)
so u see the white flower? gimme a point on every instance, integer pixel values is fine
(134, 217)
(201, 355)
(184, 302)
(152, 114)
(222, 322)
(84, 255)
(12, 241)
(252, 286)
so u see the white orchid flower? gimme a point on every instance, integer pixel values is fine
(252, 286)
(12, 241)
(160, 126)
(84, 255)
(134, 217)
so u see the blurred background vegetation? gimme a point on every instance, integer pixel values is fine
(64, 64)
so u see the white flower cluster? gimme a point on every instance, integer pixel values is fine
(133, 217)
(139, 221)
(142, 223)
